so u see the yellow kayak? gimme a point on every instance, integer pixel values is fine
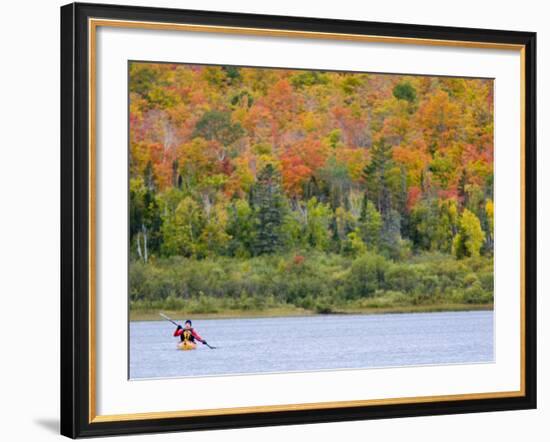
(187, 345)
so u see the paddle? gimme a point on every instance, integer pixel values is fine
(176, 324)
(168, 319)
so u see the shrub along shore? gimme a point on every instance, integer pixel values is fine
(153, 315)
(309, 283)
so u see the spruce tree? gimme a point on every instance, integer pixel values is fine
(375, 176)
(269, 205)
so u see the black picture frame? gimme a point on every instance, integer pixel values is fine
(75, 221)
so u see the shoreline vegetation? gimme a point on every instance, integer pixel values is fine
(257, 191)
(293, 284)
(146, 315)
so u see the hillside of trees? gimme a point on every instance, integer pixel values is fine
(254, 188)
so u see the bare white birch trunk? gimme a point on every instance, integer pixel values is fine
(145, 254)
(139, 246)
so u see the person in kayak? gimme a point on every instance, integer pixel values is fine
(188, 333)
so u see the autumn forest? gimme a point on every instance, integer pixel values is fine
(281, 191)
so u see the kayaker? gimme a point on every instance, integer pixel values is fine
(188, 334)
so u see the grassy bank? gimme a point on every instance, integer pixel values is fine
(309, 283)
(150, 315)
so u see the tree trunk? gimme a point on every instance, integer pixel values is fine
(139, 246)
(145, 253)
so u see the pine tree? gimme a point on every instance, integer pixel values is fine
(364, 206)
(370, 225)
(375, 176)
(269, 205)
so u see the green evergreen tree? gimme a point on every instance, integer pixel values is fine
(405, 91)
(375, 175)
(370, 225)
(269, 205)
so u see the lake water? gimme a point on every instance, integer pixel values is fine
(267, 345)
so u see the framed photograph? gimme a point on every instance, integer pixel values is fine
(274, 220)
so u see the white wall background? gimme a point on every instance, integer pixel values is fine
(29, 220)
